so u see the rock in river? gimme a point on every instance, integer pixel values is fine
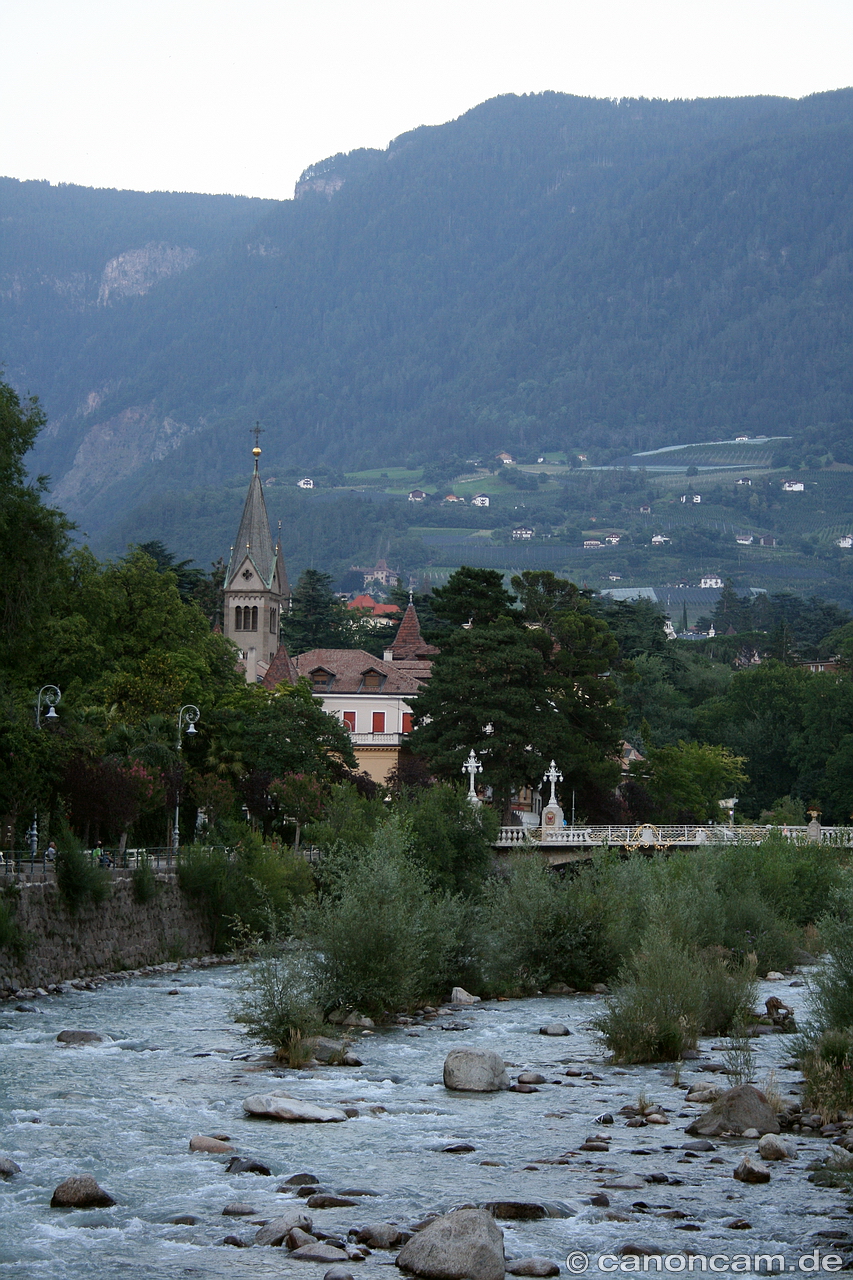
(467, 1244)
(750, 1170)
(277, 1230)
(743, 1107)
(554, 1029)
(8, 1168)
(214, 1146)
(280, 1106)
(475, 1071)
(532, 1267)
(80, 1192)
(79, 1037)
(528, 1211)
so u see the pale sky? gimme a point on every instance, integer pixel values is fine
(221, 96)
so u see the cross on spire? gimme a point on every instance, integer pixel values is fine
(256, 432)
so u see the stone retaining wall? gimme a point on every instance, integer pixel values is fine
(120, 933)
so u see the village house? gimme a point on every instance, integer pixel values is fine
(710, 580)
(385, 614)
(645, 510)
(767, 540)
(793, 486)
(506, 458)
(480, 500)
(845, 541)
(523, 533)
(307, 483)
(452, 497)
(382, 574)
(591, 542)
(744, 539)
(659, 539)
(613, 539)
(416, 495)
(744, 480)
(371, 696)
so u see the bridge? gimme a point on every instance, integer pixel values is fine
(574, 844)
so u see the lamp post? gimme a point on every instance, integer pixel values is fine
(472, 767)
(190, 715)
(553, 776)
(48, 694)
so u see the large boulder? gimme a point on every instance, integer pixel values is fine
(8, 1168)
(80, 1192)
(280, 1106)
(464, 1245)
(736, 1110)
(79, 1037)
(475, 1071)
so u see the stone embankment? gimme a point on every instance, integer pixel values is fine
(114, 936)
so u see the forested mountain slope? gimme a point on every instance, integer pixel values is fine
(544, 272)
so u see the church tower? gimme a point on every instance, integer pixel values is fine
(256, 586)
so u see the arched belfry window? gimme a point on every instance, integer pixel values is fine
(238, 619)
(254, 617)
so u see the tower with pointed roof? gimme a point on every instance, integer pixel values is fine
(256, 586)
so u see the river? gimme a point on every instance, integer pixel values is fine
(174, 1065)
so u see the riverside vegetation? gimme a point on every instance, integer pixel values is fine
(679, 940)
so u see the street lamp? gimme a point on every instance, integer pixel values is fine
(472, 767)
(49, 694)
(190, 716)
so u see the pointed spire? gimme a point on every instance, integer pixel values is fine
(408, 642)
(254, 532)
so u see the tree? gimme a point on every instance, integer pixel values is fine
(317, 619)
(488, 693)
(687, 781)
(473, 595)
(300, 799)
(579, 651)
(33, 542)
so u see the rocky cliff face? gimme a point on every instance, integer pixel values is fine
(117, 448)
(135, 271)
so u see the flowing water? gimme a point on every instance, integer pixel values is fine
(175, 1065)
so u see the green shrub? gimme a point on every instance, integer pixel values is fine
(667, 994)
(730, 992)
(831, 984)
(79, 879)
(656, 1009)
(534, 929)
(277, 1002)
(144, 882)
(827, 1065)
(240, 890)
(383, 939)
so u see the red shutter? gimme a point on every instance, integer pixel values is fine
(349, 721)
(379, 722)
(407, 722)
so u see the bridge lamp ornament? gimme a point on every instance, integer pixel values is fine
(553, 776)
(189, 715)
(472, 767)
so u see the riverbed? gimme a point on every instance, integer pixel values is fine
(175, 1063)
